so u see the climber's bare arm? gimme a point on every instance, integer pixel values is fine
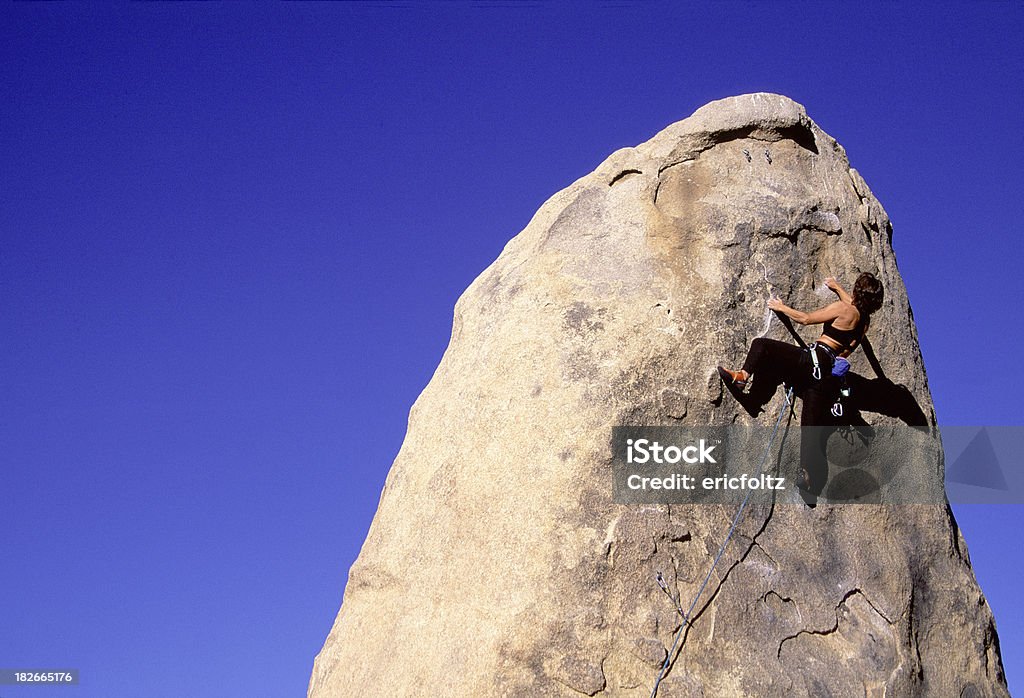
(839, 290)
(829, 312)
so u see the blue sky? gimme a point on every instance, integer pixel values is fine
(231, 239)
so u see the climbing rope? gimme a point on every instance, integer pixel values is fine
(732, 529)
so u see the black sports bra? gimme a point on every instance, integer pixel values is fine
(845, 338)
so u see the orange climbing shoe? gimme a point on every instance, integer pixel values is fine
(735, 378)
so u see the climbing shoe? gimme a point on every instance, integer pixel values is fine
(737, 379)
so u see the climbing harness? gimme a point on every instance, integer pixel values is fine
(840, 367)
(728, 536)
(816, 371)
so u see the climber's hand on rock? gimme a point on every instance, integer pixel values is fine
(831, 282)
(776, 304)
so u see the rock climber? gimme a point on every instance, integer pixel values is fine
(816, 373)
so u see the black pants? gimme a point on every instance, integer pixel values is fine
(772, 363)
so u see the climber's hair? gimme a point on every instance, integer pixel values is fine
(867, 293)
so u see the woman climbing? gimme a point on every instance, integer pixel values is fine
(814, 372)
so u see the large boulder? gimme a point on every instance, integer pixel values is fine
(498, 563)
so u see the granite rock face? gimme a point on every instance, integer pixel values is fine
(498, 564)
